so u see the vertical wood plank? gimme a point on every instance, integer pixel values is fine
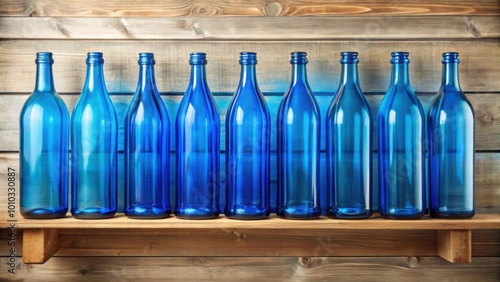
(455, 245)
(39, 244)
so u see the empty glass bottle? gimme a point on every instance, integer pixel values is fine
(197, 131)
(43, 148)
(451, 133)
(94, 134)
(248, 147)
(401, 147)
(147, 148)
(298, 147)
(349, 146)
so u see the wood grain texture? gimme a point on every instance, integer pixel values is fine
(252, 28)
(413, 269)
(94, 8)
(486, 106)
(455, 245)
(39, 244)
(478, 68)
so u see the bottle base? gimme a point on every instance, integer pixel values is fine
(452, 214)
(43, 213)
(93, 213)
(197, 213)
(298, 212)
(349, 213)
(134, 214)
(404, 213)
(248, 213)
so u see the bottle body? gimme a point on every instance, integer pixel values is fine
(298, 147)
(43, 150)
(147, 148)
(451, 147)
(401, 147)
(197, 149)
(349, 147)
(94, 134)
(248, 147)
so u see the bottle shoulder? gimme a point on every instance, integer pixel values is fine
(400, 99)
(50, 102)
(299, 98)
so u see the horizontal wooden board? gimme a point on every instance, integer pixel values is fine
(486, 106)
(94, 8)
(487, 181)
(252, 28)
(478, 68)
(413, 269)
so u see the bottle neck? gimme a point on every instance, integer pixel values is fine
(44, 78)
(146, 77)
(248, 77)
(95, 78)
(349, 74)
(299, 74)
(450, 76)
(198, 76)
(400, 74)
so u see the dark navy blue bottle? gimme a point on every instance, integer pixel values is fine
(401, 136)
(147, 148)
(94, 147)
(248, 147)
(451, 133)
(43, 148)
(349, 146)
(298, 147)
(197, 131)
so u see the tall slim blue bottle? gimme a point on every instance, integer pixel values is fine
(147, 148)
(94, 135)
(248, 147)
(298, 147)
(349, 146)
(43, 150)
(451, 133)
(401, 136)
(197, 129)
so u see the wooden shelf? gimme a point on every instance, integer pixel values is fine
(453, 242)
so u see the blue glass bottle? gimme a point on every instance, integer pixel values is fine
(94, 135)
(298, 147)
(451, 133)
(147, 148)
(197, 129)
(401, 147)
(43, 148)
(248, 147)
(349, 146)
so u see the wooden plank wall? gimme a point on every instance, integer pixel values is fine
(174, 28)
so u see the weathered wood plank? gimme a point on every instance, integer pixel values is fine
(478, 68)
(252, 28)
(484, 241)
(486, 106)
(39, 244)
(95, 8)
(413, 269)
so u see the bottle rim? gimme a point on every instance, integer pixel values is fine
(44, 57)
(198, 58)
(146, 58)
(450, 57)
(298, 57)
(349, 57)
(95, 58)
(248, 58)
(400, 57)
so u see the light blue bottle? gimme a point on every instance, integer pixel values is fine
(43, 148)
(349, 146)
(451, 133)
(248, 127)
(197, 129)
(298, 147)
(401, 137)
(147, 148)
(94, 134)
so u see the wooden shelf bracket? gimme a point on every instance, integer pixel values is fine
(39, 245)
(455, 245)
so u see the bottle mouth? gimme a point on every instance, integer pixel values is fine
(94, 58)
(198, 58)
(146, 58)
(248, 58)
(450, 57)
(349, 58)
(298, 58)
(44, 57)
(400, 57)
